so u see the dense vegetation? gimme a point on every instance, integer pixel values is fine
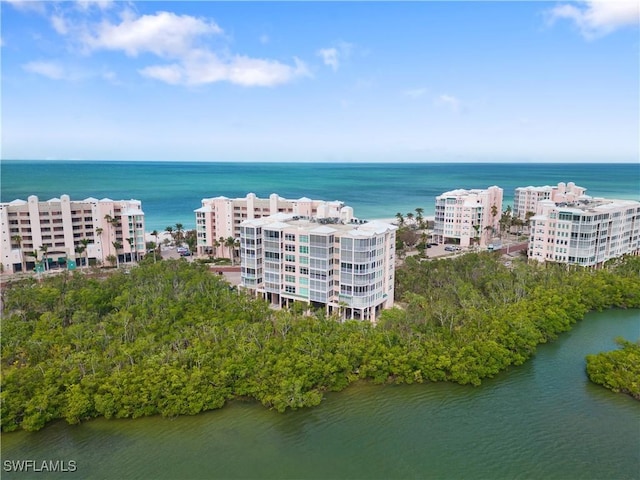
(618, 370)
(169, 338)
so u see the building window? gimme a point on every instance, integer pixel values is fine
(303, 249)
(304, 238)
(290, 289)
(291, 237)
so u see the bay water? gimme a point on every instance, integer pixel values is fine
(541, 420)
(171, 191)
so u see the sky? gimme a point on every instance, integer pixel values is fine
(321, 81)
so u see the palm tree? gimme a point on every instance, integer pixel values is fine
(131, 247)
(169, 230)
(222, 243)
(34, 254)
(489, 230)
(17, 239)
(400, 218)
(79, 249)
(420, 217)
(409, 216)
(494, 214)
(179, 233)
(117, 245)
(155, 247)
(527, 219)
(191, 239)
(476, 237)
(85, 243)
(44, 249)
(230, 242)
(113, 222)
(216, 245)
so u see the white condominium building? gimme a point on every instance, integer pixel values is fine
(346, 267)
(587, 232)
(219, 218)
(463, 216)
(62, 230)
(525, 199)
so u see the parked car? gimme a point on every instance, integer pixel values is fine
(450, 248)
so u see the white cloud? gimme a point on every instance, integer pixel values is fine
(164, 34)
(28, 5)
(101, 4)
(50, 70)
(597, 18)
(415, 92)
(55, 70)
(177, 39)
(204, 67)
(449, 101)
(330, 57)
(333, 56)
(59, 24)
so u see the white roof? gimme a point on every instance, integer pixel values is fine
(374, 227)
(132, 211)
(323, 229)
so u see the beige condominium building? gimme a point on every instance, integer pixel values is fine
(525, 199)
(346, 267)
(219, 218)
(466, 216)
(586, 232)
(61, 231)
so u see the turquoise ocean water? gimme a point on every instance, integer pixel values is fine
(171, 191)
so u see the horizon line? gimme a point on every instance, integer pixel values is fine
(325, 162)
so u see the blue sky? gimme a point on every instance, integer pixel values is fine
(326, 81)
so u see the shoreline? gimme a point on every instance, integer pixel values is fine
(162, 235)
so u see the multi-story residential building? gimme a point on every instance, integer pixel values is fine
(463, 216)
(587, 232)
(62, 230)
(345, 267)
(525, 199)
(219, 218)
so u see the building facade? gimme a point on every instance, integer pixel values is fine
(525, 199)
(219, 218)
(346, 267)
(59, 230)
(464, 217)
(587, 232)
